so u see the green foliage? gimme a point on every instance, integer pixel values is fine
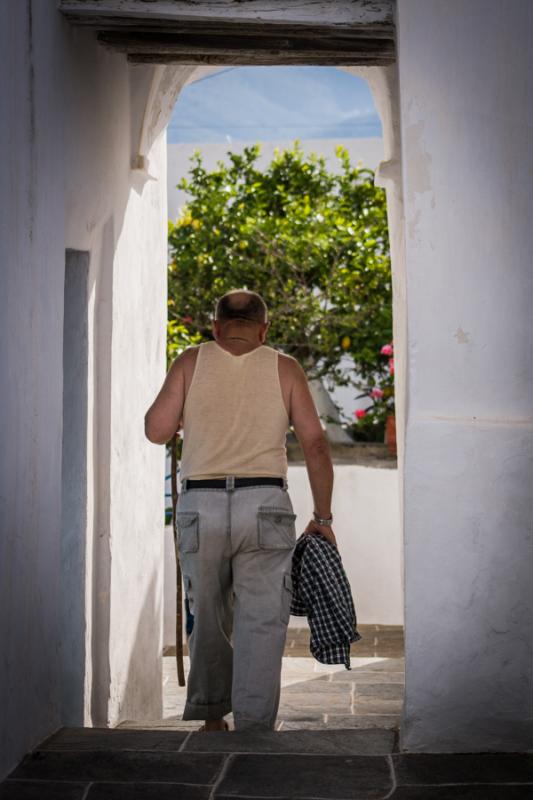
(313, 243)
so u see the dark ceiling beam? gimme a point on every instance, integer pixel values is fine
(325, 32)
(179, 48)
(337, 13)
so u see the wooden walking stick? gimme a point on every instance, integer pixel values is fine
(179, 597)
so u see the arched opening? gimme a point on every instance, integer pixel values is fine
(378, 648)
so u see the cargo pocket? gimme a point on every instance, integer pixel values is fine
(187, 530)
(286, 597)
(276, 529)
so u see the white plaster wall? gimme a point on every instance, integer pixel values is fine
(72, 115)
(367, 527)
(119, 216)
(466, 117)
(137, 467)
(32, 180)
(368, 531)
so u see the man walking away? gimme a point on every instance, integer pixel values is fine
(236, 398)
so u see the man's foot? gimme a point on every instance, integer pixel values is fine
(214, 725)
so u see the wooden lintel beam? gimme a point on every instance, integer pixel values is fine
(242, 31)
(245, 28)
(336, 13)
(169, 44)
(265, 59)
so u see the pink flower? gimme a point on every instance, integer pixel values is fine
(360, 413)
(376, 393)
(386, 350)
(391, 366)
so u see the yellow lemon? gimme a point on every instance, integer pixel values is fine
(345, 342)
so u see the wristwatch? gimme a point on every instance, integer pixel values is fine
(322, 520)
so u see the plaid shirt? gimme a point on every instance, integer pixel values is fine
(321, 592)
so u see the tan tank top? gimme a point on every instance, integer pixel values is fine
(234, 418)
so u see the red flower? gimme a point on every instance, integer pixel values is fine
(186, 320)
(391, 366)
(360, 413)
(386, 350)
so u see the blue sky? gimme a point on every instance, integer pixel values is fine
(273, 103)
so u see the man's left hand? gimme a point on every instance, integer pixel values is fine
(325, 530)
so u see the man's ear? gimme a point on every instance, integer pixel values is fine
(264, 330)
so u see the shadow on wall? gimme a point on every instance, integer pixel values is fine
(143, 663)
(101, 556)
(74, 487)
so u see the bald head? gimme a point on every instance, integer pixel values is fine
(241, 304)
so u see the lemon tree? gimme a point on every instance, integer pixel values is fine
(312, 241)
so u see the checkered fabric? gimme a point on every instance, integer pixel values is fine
(321, 592)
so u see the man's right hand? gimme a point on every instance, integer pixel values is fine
(326, 531)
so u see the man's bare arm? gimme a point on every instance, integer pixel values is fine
(315, 446)
(163, 417)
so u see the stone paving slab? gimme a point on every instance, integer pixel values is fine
(125, 765)
(464, 792)
(435, 768)
(362, 676)
(383, 691)
(50, 790)
(113, 739)
(320, 685)
(326, 742)
(315, 701)
(345, 722)
(173, 722)
(306, 776)
(148, 791)
(391, 664)
(42, 790)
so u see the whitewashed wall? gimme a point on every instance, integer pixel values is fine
(119, 217)
(466, 116)
(32, 242)
(367, 527)
(368, 531)
(71, 116)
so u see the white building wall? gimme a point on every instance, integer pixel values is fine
(367, 528)
(32, 255)
(119, 216)
(72, 116)
(466, 116)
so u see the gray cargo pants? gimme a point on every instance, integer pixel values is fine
(235, 547)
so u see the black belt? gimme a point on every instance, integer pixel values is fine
(220, 483)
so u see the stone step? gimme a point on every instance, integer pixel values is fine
(104, 764)
(375, 741)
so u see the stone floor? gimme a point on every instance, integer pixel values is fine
(121, 764)
(337, 739)
(318, 696)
